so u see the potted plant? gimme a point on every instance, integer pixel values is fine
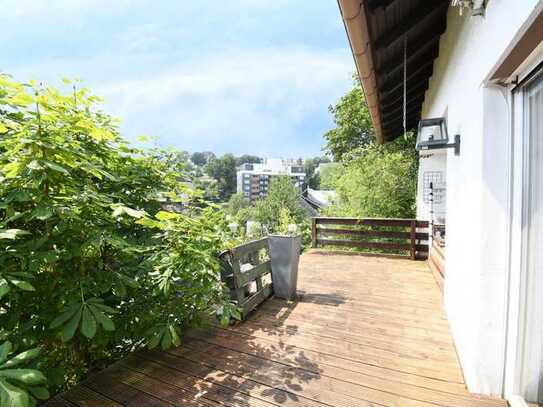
(285, 254)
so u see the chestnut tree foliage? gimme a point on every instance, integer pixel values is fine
(90, 266)
(354, 128)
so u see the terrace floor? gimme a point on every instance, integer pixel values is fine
(366, 331)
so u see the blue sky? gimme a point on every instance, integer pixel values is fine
(240, 76)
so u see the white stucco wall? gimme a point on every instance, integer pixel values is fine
(477, 185)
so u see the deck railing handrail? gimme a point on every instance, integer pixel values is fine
(400, 235)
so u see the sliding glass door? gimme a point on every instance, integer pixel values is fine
(532, 344)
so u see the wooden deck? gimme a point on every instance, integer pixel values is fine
(366, 331)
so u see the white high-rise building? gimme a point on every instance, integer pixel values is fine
(253, 180)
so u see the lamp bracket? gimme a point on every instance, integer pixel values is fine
(455, 145)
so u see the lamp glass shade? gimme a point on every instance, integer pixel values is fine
(432, 133)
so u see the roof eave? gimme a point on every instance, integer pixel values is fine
(354, 16)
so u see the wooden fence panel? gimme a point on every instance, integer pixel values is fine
(241, 267)
(407, 237)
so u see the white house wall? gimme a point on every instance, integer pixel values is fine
(477, 184)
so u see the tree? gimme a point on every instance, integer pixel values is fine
(236, 203)
(201, 158)
(378, 181)
(177, 160)
(310, 165)
(354, 128)
(248, 159)
(91, 268)
(330, 173)
(282, 196)
(223, 169)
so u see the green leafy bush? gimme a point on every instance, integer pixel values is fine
(378, 181)
(20, 385)
(90, 266)
(283, 199)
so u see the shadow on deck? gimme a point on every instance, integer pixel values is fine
(365, 331)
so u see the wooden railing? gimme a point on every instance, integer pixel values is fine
(395, 236)
(436, 259)
(246, 270)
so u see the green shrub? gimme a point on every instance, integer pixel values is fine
(90, 266)
(283, 198)
(378, 181)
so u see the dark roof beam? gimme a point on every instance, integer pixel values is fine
(398, 120)
(415, 17)
(392, 81)
(411, 104)
(392, 126)
(391, 97)
(418, 76)
(398, 131)
(413, 64)
(411, 94)
(421, 47)
(375, 4)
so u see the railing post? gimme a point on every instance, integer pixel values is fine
(413, 239)
(314, 232)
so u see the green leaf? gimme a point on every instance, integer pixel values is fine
(166, 341)
(3, 129)
(176, 340)
(26, 376)
(88, 324)
(21, 358)
(164, 215)
(118, 211)
(64, 316)
(12, 233)
(102, 319)
(21, 99)
(41, 393)
(130, 282)
(143, 138)
(225, 319)
(134, 213)
(19, 195)
(11, 396)
(4, 287)
(11, 170)
(56, 167)
(23, 285)
(5, 350)
(70, 328)
(155, 340)
(42, 212)
(104, 308)
(150, 223)
(119, 289)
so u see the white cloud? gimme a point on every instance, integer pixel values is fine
(235, 95)
(197, 74)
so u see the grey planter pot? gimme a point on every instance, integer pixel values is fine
(285, 255)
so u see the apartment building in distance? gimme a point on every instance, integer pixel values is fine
(253, 180)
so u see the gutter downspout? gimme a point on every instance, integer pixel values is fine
(354, 15)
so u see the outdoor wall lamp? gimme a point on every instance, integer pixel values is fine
(432, 135)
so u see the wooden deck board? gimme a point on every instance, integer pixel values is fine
(365, 331)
